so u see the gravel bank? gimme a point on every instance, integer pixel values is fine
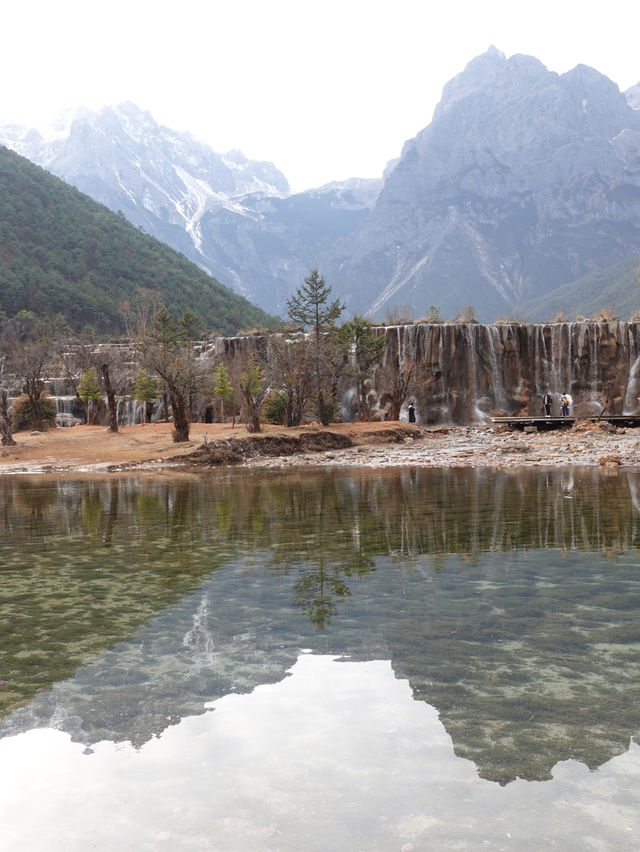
(481, 446)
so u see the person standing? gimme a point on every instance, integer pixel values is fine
(564, 402)
(547, 399)
(412, 413)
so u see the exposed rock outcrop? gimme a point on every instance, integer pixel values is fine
(524, 180)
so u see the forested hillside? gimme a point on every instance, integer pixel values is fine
(610, 292)
(60, 252)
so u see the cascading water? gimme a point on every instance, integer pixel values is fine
(472, 372)
(467, 372)
(632, 391)
(130, 411)
(69, 409)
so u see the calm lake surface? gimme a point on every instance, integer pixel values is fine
(329, 660)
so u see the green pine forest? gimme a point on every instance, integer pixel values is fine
(62, 253)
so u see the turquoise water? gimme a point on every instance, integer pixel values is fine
(397, 660)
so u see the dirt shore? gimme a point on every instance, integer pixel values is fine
(95, 449)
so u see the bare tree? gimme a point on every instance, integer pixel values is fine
(168, 351)
(112, 365)
(115, 372)
(249, 377)
(398, 378)
(292, 375)
(6, 438)
(138, 313)
(29, 348)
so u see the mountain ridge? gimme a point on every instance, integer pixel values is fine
(62, 252)
(523, 181)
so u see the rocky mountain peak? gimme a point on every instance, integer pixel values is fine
(516, 186)
(505, 124)
(633, 96)
(491, 71)
(524, 180)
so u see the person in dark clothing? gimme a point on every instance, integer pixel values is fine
(412, 413)
(547, 399)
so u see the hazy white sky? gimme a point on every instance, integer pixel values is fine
(325, 90)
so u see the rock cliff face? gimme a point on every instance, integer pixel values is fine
(523, 181)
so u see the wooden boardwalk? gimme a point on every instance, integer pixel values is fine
(546, 423)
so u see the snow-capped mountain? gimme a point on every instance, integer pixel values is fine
(524, 180)
(232, 216)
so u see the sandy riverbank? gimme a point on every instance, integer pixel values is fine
(95, 449)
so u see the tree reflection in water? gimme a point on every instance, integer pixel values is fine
(508, 600)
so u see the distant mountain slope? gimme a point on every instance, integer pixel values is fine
(523, 181)
(62, 252)
(231, 216)
(613, 290)
(266, 246)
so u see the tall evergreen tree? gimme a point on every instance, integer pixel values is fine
(223, 388)
(145, 390)
(311, 309)
(363, 351)
(89, 392)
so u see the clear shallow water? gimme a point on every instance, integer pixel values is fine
(397, 660)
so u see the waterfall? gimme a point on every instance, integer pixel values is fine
(470, 372)
(496, 346)
(632, 390)
(69, 410)
(130, 411)
(463, 372)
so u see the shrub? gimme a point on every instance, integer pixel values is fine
(605, 315)
(433, 315)
(400, 315)
(467, 314)
(275, 409)
(22, 414)
(510, 321)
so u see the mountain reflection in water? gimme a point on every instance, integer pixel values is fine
(508, 601)
(335, 756)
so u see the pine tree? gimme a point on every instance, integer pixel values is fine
(89, 392)
(310, 308)
(223, 388)
(145, 390)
